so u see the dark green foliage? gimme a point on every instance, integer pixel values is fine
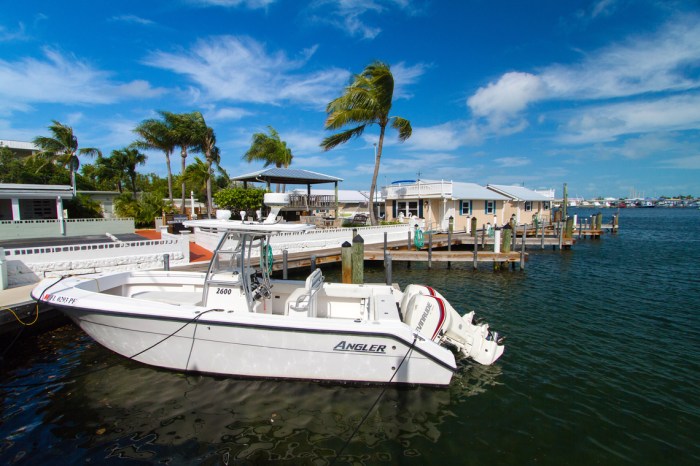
(82, 206)
(237, 199)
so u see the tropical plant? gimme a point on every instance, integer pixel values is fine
(269, 149)
(83, 206)
(213, 157)
(62, 148)
(126, 160)
(237, 199)
(188, 131)
(144, 210)
(367, 100)
(157, 134)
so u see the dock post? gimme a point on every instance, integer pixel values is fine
(507, 239)
(313, 262)
(430, 249)
(599, 221)
(285, 264)
(386, 241)
(522, 249)
(542, 238)
(408, 248)
(388, 269)
(449, 241)
(473, 232)
(346, 257)
(580, 228)
(561, 235)
(166, 262)
(358, 260)
(483, 236)
(476, 252)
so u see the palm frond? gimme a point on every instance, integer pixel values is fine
(403, 126)
(340, 138)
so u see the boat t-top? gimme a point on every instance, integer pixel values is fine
(236, 320)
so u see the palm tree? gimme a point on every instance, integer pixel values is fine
(366, 101)
(269, 149)
(62, 149)
(125, 160)
(156, 134)
(188, 130)
(211, 153)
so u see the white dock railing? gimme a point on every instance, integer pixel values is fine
(30, 265)
(418, 189)
(313, 240)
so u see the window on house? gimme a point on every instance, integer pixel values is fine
(490, 207)
(465, 207)
(545, 205)
(528, 206)
(407, 207)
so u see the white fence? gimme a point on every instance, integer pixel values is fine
(51, 228)
(418, 189)
(313, 240)
(29, 265)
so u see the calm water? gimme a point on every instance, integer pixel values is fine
(602, 366)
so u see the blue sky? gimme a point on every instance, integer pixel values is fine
(603, 94)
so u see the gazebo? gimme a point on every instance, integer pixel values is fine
(296, 176)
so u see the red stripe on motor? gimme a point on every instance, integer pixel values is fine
(441, 304)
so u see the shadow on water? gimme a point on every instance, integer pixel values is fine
(127, 411)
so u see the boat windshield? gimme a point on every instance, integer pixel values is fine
(244, 259)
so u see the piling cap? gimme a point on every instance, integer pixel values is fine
(358, 239)
(346, 245)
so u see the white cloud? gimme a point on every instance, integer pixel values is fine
(660, 62)
(351, 15)
(133, 19)
(404, 76)
(507, 97)
(63, 79)
(228, 113)
(252, 4)
(607, 122)
(448, 136)
(240, 69)
(683, 163)
(10, 36)
(510, 162)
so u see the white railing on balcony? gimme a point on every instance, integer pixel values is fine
(419, 189)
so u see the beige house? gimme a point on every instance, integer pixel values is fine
(524, 204)
(438, 201)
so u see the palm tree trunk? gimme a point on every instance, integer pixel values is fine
(183, 153)
(208, 187)
(170, 177)
(372, 216)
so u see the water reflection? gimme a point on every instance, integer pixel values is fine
(133, 412)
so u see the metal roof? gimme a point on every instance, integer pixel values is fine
(286, 176)
(473, 191)
(518, 193)
(34, 191)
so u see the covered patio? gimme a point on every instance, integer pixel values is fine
(294, 176)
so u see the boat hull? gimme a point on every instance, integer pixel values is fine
(262, 346)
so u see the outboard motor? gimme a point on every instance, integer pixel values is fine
(432, 316)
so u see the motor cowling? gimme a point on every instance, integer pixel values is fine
(432, 316)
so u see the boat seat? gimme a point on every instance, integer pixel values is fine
(171, 297)
(302, 301)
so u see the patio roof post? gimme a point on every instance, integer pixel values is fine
(336, 199)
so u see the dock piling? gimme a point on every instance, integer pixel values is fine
(166, 262)
(358, 260)
(388, 272)
(285, 264)
(346, 262)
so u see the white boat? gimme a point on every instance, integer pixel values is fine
(235, 320)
